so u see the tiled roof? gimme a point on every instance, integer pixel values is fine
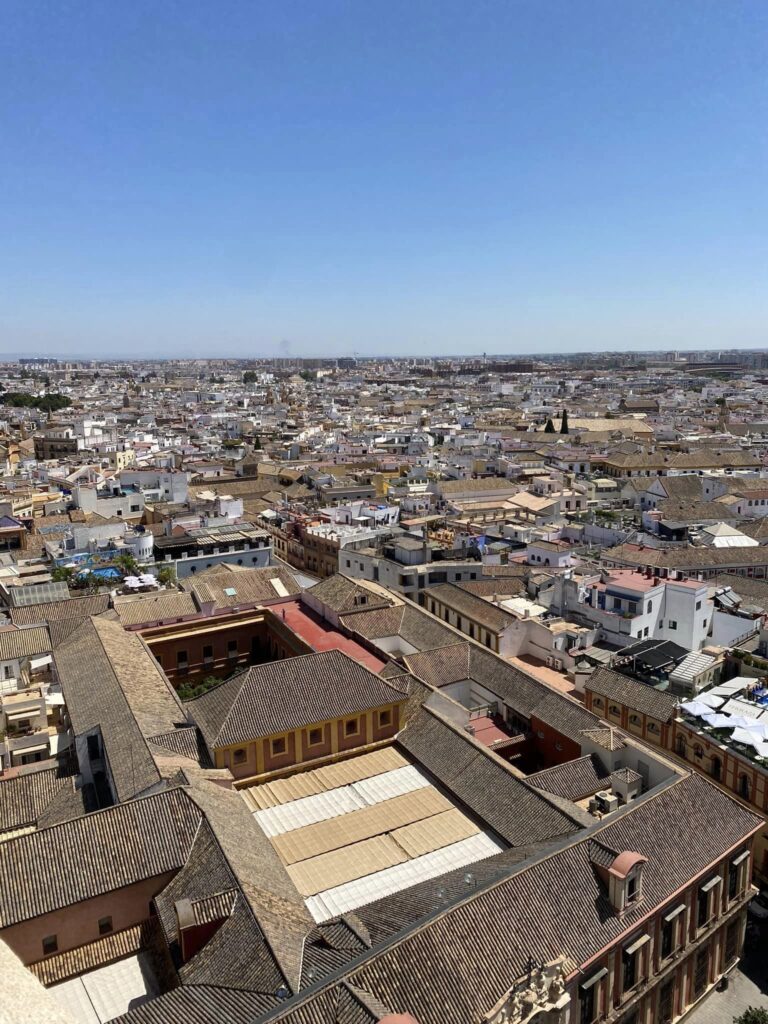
(250, 586)
(467, 954)
(166, 606)
(342, 594)
(24, 798)
(286, 695)
(24, 642)
(53, 611)
(77, 860)
(416, 627)
(484, 783)
(186, 741)
(529, 697)
(631, 693)
(475, 608)
(111, 682)
(574, 780)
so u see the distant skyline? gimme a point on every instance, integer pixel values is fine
(324, 178)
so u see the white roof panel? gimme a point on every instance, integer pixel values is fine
(332, 902)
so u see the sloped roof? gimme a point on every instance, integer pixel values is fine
(285, 695)
(631, 693)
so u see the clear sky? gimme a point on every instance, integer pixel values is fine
(180, 177)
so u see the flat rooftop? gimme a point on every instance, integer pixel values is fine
(364, 828)
(321, 636)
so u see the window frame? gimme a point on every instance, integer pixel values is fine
(384, 724)
(106, 927)
(349, 733)
(239, 755)
(273, 741)
(50, 945)
(318, 742)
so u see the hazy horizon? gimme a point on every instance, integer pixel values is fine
(433, 178)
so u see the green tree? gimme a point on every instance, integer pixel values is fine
(187, 691)
(127, 564)
(166, 575)
(62, 574)
(752, 1015)
(250, 377)
(257, 443)
(550, 427)
(564, 422)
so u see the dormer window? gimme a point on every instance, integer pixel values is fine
(625, 880)
(633, 888)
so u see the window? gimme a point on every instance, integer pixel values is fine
(632, 889)
(239, 755)
(737, 875)
(745, 787)
(716, 768)
(630, 970)
(672, 624)
(278, 746)
(231, 648)
(385, 718)
(181, 659)
(701, 972)
(105, 925)
(589, 993)
(698, 606)
(680, 747)
(704, 905)
(315, 737)
(649, 606)
(352, 727)
(208, 653)
(50, 945)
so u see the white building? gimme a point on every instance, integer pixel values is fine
(631, 604)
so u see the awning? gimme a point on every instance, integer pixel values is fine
(636, 945)
(710, 885)
(595, 978)
(674, 913)
(17, 716)
(22, 751)
(740, 859)
(40, 662)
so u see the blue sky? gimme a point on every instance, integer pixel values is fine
(426, 176)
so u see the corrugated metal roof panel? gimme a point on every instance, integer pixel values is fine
(276, 820)
(432, 834)
(332, 902)
(327, 777)
(391, 784)
(324, 836)
(339, 866)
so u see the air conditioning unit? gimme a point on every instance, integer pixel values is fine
(558, 664)
(606, 801)
(550, 660)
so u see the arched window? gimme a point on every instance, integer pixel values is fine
(680, 746)
(698, 750)
(717, 768)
